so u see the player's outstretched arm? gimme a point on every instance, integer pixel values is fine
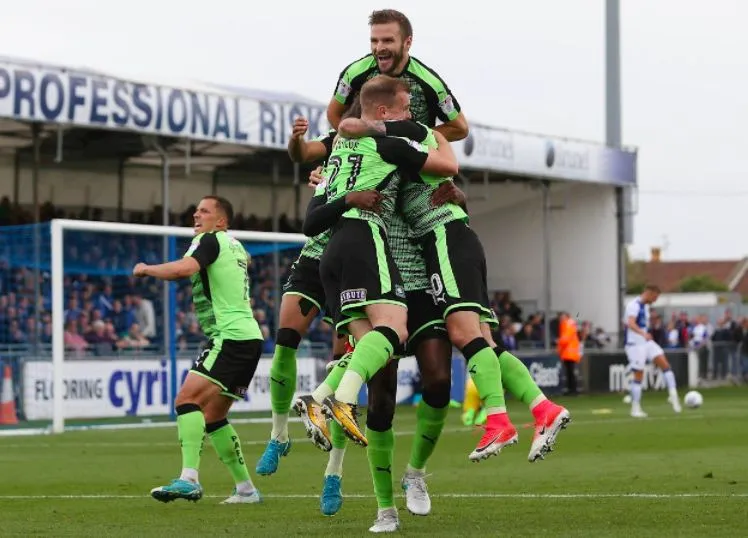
(299, 149)
(203, 251)
(454, 130)
(184, 268)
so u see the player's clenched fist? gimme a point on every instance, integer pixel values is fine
(300, 127)
(139, 270)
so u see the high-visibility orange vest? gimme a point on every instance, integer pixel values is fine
(568, 341)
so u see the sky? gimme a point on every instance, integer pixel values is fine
(535, 65)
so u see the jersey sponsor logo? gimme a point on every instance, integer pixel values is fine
(353, 296)
(344, 88)
(400, 291)
(447, 105)
(437, 289)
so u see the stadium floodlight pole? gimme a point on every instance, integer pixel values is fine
(170, 348)
(613, 131)
(60, 139)
(188, 158)
(59, 227)
(36, 129)
(547, 263)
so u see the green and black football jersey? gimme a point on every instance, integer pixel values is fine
(315, 246)
(430, 97)
(370, 163)
(220, 290)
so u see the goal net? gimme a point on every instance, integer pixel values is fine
(112, 349)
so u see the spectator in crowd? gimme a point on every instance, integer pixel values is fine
(701, 332)
(684, 328)
(145, 316)
(657, 329)
(569, 350)
(508, 333)
(74, 342)
(504, 306)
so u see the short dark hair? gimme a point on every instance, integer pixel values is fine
(381, 90)
(384, 16)
(652, 287)
(223, 205)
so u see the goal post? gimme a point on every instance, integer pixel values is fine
(263, 242)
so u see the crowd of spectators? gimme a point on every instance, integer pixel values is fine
(519, 331)
(107, 310)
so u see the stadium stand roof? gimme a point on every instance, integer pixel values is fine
(73, 143)
(81, 114)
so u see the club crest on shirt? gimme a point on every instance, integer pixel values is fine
(344, 88)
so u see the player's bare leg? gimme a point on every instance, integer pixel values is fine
(662, 363)
(464, 331)
(296, 314)
(550, 418)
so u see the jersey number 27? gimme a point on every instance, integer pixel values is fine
(336, 162)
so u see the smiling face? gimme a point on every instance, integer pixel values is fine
(208, 217)
(389, 47)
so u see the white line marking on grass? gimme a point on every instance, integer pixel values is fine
(518, 496)
(403, 433)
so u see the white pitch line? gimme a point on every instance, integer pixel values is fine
(403, 433)
(519, 496)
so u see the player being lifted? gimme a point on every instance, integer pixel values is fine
(641, 350)
(456, 262)
(428, 341)
(390, 40)
(303, 298)
(218, 267)
(357, 269)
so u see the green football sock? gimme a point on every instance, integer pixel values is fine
(229, 449)
(191, 431)
(380, 455)
(282, 379)
(338, 438)
(429, 425)
(484, 369)
(370, 355)
(517, 379)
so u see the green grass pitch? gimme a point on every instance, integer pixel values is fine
(610, 475)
